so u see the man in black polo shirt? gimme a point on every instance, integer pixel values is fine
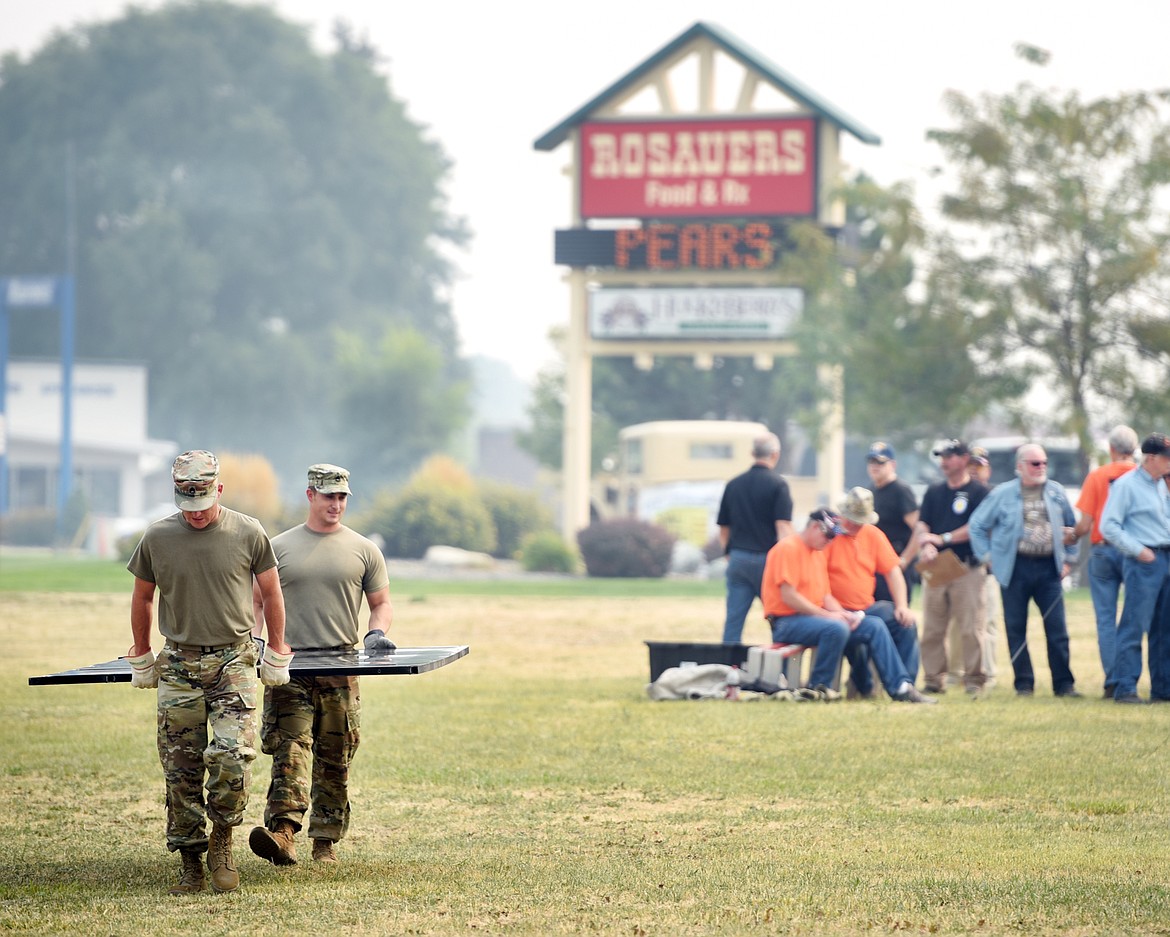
(755, 512)
(897, 511)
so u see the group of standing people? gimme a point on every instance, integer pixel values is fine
(1010, 546)
(223, 587)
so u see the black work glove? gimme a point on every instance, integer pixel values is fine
(376, 640)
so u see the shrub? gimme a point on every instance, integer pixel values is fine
(250, 487)
(423, 515)
(546, 552)
(443, 472)
(126, 544)
(32, 527)
(516, 513)
(713, 549)
(626, 548)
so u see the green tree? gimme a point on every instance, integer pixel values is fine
(1063, 199)
(241, 199)
(406, 400)
(907, 347)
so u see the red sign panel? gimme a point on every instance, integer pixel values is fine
(693, 168)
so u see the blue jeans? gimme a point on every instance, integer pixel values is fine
(1106, 575)
(1146, 608)
(874, 636)
(745, 576)
(1034, 578)
(905, 642)
(827, 635)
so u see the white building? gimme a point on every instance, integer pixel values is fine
(124, 475)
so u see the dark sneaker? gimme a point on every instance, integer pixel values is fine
(1131, 699)
(934, 688)
(1070, 693)
(819, 693)
(913, 696)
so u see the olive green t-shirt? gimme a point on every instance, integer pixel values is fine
(204, 577)
(323, 578)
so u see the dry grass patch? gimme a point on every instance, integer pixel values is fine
(531, 788)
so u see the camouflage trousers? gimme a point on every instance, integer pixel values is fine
(317, 718)
(200, 691)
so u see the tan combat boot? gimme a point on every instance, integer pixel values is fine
(276, 845)
(224, 876)
(323, 851)
(191, 879)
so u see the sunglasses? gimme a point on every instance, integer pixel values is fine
(829, 529)
(1037, 463)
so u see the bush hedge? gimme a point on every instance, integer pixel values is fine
(546, 552)
(516, 513)
(627, 548)
(424, 515)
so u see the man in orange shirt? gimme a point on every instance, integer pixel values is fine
(1105, 560)
(854, 560)
(797, 602)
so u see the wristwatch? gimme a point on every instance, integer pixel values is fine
(946, 538)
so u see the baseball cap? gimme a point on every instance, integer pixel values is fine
(828, 521)
(979, 456)
(857, 506)
(329, 479)
(953, 447)
(880, 452)
(1156, 444)
(196, 476)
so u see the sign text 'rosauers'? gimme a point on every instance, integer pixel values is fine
(734, 167)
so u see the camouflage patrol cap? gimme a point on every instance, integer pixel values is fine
(329, 479)
(196, 476)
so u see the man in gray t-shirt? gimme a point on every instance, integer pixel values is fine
(325, 568)
(204, 564)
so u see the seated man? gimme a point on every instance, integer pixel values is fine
(801, 609)
(855, 559)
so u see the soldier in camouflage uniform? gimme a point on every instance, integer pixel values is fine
(202, 562)
(325, 568)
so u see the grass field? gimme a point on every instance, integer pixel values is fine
(531, 788)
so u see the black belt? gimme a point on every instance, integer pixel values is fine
(203, 648)
(1165, 548)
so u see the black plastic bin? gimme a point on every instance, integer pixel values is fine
(665, 654)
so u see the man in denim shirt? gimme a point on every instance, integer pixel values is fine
(1136, 520)
(1025, 528)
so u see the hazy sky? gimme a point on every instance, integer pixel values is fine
(487, 79)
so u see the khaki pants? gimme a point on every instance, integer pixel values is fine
(962, 601)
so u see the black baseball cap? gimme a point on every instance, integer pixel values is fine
(953, 447)
(1156, 444)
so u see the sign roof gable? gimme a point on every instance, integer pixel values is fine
(702, 33)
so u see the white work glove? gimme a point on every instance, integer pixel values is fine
(274, 667)
(143, 672)
(376, 640)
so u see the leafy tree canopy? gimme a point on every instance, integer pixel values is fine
(1061, 202)
(258, 222)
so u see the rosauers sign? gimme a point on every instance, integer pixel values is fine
(733, 167)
